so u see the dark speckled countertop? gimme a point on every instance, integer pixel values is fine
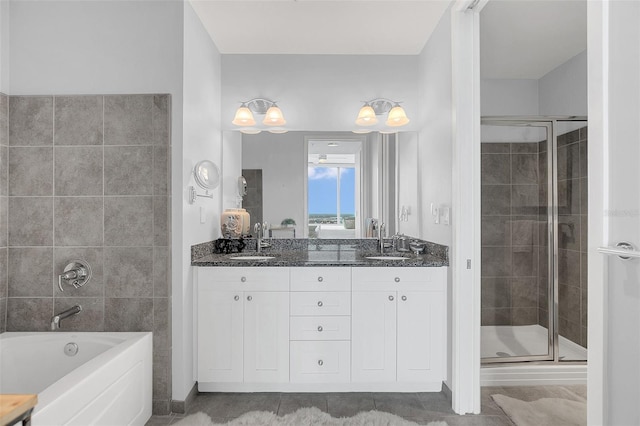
(306, 252)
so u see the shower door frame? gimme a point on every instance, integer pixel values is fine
(550, 123)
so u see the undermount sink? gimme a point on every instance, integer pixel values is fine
(386, 258)
(252, 257)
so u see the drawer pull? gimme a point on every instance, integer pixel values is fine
(404, 298)
(397, 279)
(320, 303)
(249, 298)
(236, 297)
(243, 279)
(320, 328)
(391, 298)
(320, 362)
(320, 279)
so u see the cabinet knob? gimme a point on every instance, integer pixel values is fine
(243, 279)
(397, 279)
(320, 303)
(320, 362)
(404, 298)
(320, 279)
(320, 328)
(391, 298)
(249, 298)
(236, 297)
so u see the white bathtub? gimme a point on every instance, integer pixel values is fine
(108, 381)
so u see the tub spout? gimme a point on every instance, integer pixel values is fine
(55, 320)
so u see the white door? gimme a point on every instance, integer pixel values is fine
(266, 337)
(614, 192)
(373, 336)
(220, 331)
(420, 337)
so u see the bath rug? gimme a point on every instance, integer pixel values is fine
(544, 411)
(311, 416)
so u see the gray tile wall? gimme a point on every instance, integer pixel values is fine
(4, 190)
(514, 234)
(87, 177)
(510, 227)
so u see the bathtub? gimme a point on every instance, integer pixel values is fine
(80, 378)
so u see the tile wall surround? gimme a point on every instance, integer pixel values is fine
(88, 177)
(514, 234)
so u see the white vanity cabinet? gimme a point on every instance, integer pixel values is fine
(243, 326)
(320, 325)
(398, 325)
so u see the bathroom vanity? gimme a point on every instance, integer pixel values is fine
(320, 318)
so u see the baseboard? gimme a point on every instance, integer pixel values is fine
(320, 387)
(534, 375)
(181, 407)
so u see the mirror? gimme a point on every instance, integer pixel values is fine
(329, 184)
(206, 174)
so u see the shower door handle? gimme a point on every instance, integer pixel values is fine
(623, 250)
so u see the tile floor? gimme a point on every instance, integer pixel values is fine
(418, 407)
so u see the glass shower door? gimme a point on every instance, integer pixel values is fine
(515, 227)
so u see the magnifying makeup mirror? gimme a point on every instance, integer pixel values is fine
(207, 176)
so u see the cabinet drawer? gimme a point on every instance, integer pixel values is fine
(320, 303)
(398, 278)
(321, 279)
(320, 328)
(320, 362)
(244, 279)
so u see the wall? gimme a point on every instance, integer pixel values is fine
(4, 47)
(435, 139)
(319, 92)
(88, 179)
(202, 140)
(4, 190)
(563, 91)
(105, 47)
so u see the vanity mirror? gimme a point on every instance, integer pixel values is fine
(328, 184)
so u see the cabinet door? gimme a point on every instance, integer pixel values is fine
(220, 331)
(266, 337)
(373, 337)
(421, 341)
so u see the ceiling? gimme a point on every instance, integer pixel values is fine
(518, 38)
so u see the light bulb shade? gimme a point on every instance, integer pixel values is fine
(250, 130)
(366, 116)
(244, 117)
(274, 117)
(397, 117)
(278, 130)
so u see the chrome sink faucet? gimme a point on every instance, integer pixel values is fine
(55, 320)
(260, 230)
(382, 230)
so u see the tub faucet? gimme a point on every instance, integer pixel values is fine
(55, 320)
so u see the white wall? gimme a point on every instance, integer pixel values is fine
(281, 158)
(509, 97)
(563, 91)
(4, 47)
(319, 92)
(202, 140)
(435, 139)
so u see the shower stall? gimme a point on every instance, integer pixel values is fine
(534, 240)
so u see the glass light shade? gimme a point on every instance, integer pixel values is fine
(244, 117)
(366, 116)
(250, 131)
(397, 117)
(274, 117)
(361, 131)
(278, 130)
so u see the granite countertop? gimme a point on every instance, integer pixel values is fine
(306, 252)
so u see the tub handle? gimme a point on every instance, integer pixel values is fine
(77, 273)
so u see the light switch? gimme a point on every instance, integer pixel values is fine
(445, 214)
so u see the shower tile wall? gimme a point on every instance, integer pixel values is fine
(88, 178)
(4, 179)
(510, 222)
(572, 238)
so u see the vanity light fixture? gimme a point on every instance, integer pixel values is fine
(371, 109)
(273, 116)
